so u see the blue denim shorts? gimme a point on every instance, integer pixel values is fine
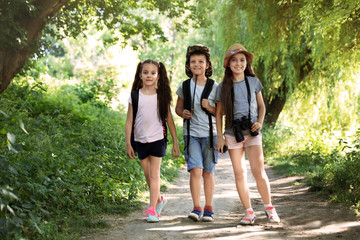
(200, 155)
(156, 149)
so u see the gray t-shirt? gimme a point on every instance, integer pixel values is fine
(241, 105)
(199, 122)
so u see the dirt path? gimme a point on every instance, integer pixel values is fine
(303, 215)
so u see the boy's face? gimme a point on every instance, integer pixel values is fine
(198, 64)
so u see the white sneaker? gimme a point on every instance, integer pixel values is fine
(249, 218)
(272, 215)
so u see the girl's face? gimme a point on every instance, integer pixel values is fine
(237, 63)
(198, 64)
(149, 74)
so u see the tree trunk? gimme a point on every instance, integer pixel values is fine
(274, 109)
(11, 61)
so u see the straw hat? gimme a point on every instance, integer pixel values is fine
(236, 48)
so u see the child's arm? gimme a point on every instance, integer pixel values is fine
(180, 111)
(220, 137)
(128, 127)
(261, 113)
(172, 129)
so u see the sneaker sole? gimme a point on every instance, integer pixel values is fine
(207, 219)
(152, 220)
(250, 223)
(194, 217)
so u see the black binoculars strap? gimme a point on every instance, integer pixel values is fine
(248, 95)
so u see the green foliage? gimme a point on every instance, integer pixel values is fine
(62, 158)
(292, 42)
(330, 167)
(74, 18)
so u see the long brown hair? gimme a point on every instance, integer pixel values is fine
(227, 85)
(163, 87)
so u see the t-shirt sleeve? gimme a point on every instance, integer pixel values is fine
(212, 96)
(130, 100)
(180, 92)
(258, 86)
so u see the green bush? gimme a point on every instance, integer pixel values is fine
(62, 158)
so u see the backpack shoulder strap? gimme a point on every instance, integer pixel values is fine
(135, 102)
(206, 92)
(187, 105)
(187, 94)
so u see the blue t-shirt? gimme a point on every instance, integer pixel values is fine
(199, 122)
(241, 104)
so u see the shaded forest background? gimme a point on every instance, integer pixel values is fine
(66, 68)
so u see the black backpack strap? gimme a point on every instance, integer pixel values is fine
(204, 95)
(187, 105)
(206, 92)
(187, 94)
(135, 103)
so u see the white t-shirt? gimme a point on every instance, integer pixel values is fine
(148, 127)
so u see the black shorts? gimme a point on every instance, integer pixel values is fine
(156, 149)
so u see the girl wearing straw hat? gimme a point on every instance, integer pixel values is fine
(239, 98)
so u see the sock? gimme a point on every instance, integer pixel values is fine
(267, 205)
(208, 208)
(197, 208)
(249, 209)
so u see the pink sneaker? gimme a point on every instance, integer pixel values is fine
(249, 218)
(151, 215)
(272, 215)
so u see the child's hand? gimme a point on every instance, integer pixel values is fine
(130, 152)
(220, 143)
(256, 127)
(186, 114)
(175, 151)
(205, 104)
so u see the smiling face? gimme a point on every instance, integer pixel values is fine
(149, 74)
(198, 64)
(237, 63)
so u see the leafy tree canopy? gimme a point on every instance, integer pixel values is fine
(25, 21)
(293, 42)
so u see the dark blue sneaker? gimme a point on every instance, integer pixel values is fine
(195, 215)
(208, 216)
